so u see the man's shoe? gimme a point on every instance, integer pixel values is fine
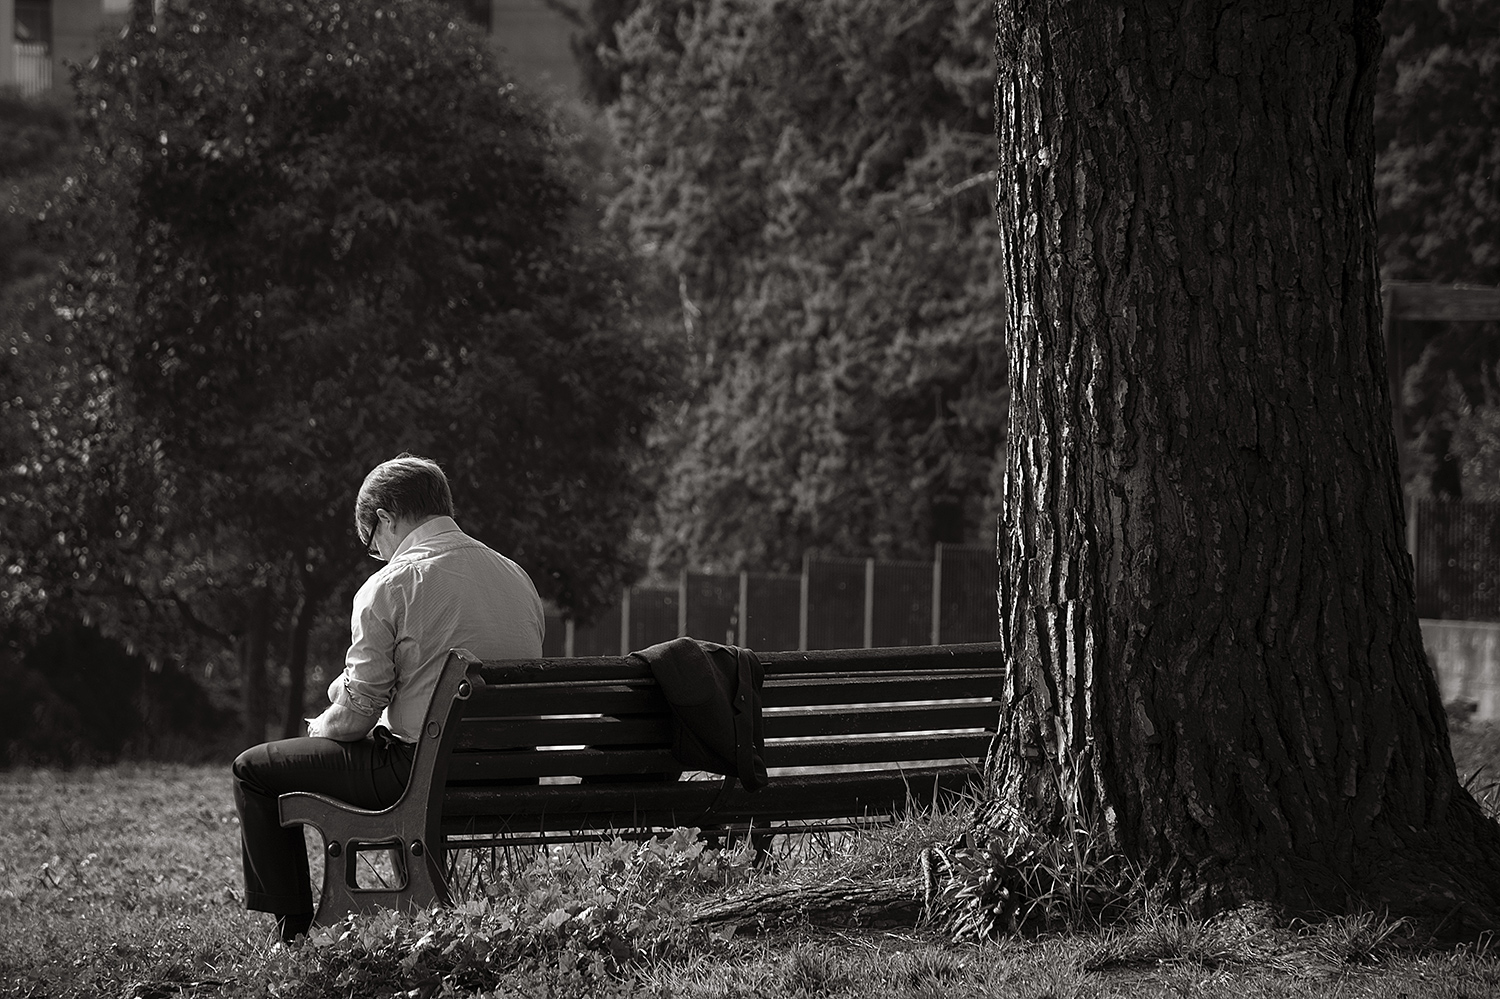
(290, 928)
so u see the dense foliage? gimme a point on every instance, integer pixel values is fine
(34, 138)
(303, 237)
(816, 180)
(1437, 115)
(74, 697)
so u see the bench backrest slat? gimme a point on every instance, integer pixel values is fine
(508, 700)
(866, 688)
(783, 724)
(505, 764)
(942, 657)
(580, 762)
(610, 730)
(876, 749)
(607, 730)
(776, 664)
(528, 700)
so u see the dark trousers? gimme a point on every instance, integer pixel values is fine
(369, 773)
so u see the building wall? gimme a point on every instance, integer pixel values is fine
(533, 41)
(76, 26)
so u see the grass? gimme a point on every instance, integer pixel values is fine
(124, 882)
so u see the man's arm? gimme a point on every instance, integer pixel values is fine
(341, 723)
(359, 694)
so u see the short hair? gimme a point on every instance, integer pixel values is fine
(405, 486)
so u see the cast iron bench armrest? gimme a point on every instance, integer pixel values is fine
(410, 827)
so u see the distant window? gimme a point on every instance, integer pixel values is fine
(34, 21)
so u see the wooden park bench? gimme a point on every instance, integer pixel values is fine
(555, 750)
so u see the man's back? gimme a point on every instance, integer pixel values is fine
(442, 590)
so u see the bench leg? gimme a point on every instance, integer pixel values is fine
(422, 882)
(346, 831)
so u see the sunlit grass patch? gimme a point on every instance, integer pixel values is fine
(109, 877)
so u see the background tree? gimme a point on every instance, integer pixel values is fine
(304, 237)
(1436, 117)
(595, 44)
(73, 695)
(815, 183)
(1206, 601)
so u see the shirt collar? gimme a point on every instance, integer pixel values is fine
(424, 533)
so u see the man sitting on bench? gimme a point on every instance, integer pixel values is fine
(439, 590)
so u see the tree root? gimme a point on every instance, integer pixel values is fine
(889, 904)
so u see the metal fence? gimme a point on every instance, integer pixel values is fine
(856, 603)
(1456, 548)
(834, 603)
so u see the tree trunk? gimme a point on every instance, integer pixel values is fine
(253, 648)
(314, 591)
(1205, 592)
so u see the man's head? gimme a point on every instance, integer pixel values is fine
(407, 488)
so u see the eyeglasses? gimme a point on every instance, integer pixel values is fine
(371, 548)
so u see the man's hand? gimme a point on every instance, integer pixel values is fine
(341, 723)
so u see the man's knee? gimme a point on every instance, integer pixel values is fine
(250, 765)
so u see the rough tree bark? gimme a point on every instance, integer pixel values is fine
(1205, 591)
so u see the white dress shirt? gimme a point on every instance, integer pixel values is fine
(441, 590)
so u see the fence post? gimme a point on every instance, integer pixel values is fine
(802, 606)
(1394, 370)
(625, 621)
(568, 637)
(937, 593)
(682, 603)
(1413, 511)
(744, 609)
(869, 603)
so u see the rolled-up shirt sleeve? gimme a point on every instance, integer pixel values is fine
(369, 678)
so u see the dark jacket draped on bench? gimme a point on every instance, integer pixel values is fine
(714, 692)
